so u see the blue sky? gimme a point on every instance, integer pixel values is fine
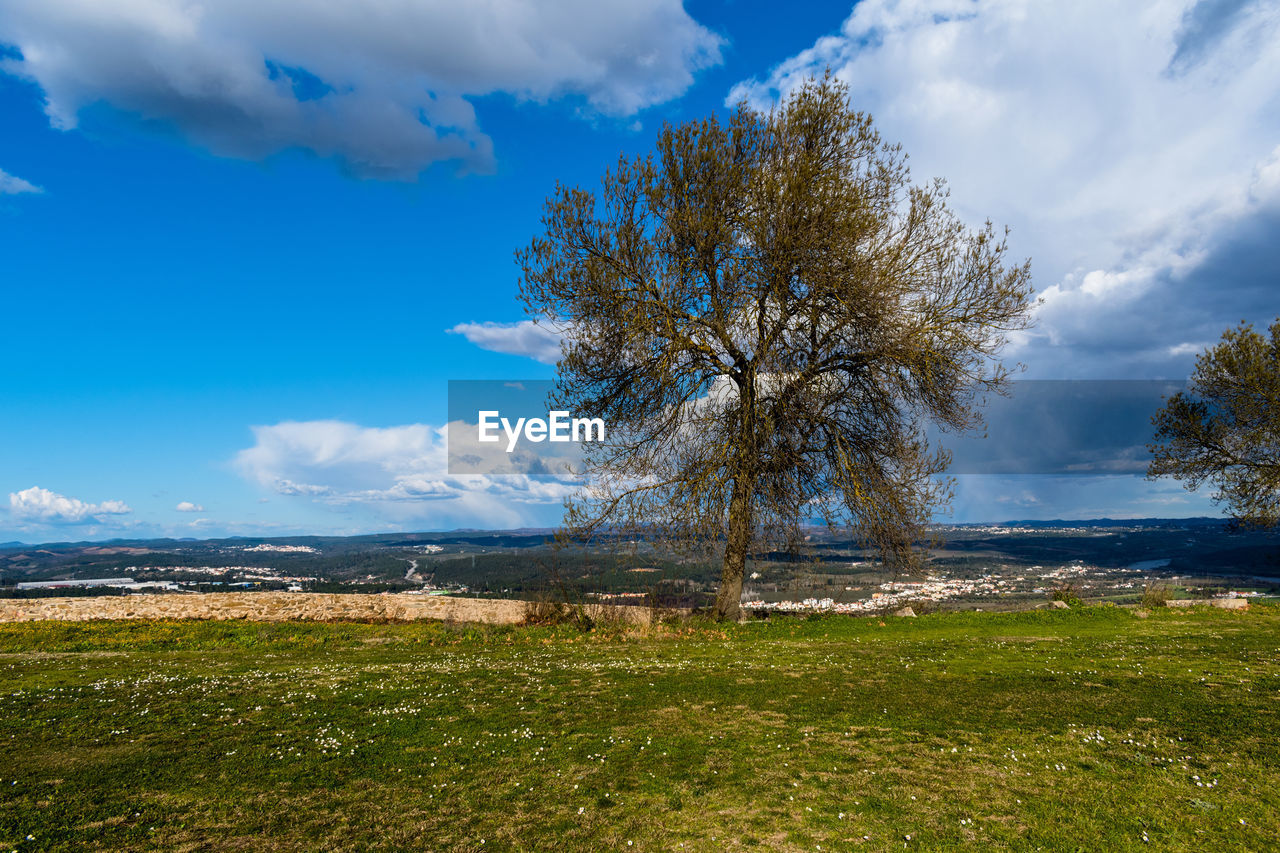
(236, 241)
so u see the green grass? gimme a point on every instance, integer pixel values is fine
(1088, 729)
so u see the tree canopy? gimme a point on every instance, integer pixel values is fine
(1224, 429)
(767, 313)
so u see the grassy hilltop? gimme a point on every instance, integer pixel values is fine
(1086, 729)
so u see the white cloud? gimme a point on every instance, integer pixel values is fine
(382, 85)
(526, 338)
(188, 506)
(41, 505)
(399, 473)
(1126, 143)
(12, 185)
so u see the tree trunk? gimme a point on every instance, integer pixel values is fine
(729, 598)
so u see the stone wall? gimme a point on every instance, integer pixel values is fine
(277, 607)
(1224, 603)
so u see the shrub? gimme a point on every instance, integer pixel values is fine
(545, 612)
(1155, 594)
(584, 617)
(1066, 591)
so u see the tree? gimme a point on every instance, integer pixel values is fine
(767, 313)
(1224, 429)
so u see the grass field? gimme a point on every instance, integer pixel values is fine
(1087, 729)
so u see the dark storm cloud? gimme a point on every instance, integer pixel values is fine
(1159, 330)
(1063, 427)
